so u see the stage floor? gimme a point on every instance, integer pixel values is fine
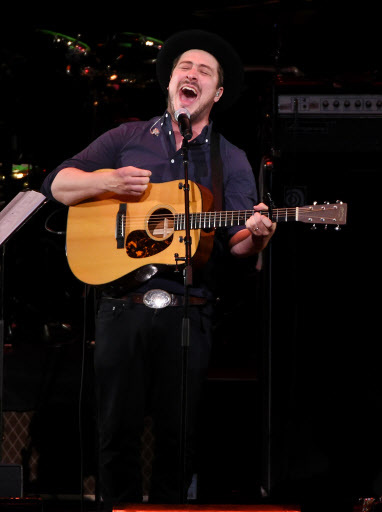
(67, 505)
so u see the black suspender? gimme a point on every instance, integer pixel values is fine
(217, 172)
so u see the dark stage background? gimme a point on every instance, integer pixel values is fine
(292, 408)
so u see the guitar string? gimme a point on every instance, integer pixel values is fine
(235, 214)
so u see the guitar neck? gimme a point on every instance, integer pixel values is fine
(311, 214)
(208, 220)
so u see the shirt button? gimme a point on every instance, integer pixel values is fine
(172, 160)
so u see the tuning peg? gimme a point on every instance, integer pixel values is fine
(337, 228)
(326, 227)
(314, 227)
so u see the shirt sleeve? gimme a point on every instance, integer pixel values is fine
(240, 191)
(102, 153)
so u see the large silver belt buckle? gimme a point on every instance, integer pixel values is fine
(157, 299)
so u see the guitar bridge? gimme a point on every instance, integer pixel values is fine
(120, 226)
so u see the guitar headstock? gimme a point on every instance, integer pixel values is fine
(325, 213)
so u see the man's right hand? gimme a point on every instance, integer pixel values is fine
(127, 180)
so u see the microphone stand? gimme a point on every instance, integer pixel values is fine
(185, 334)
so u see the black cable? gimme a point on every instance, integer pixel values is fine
(81, 399)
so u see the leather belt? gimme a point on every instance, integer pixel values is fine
(159, 299)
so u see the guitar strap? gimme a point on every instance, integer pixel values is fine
(217, 172)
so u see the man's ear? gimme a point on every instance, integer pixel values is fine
(219, 94)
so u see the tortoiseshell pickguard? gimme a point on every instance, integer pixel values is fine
(140, 245)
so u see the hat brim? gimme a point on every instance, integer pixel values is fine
(224, 53)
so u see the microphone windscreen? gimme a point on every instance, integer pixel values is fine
(180, 111)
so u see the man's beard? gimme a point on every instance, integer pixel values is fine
(194, 116)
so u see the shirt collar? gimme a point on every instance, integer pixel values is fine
(203, 138)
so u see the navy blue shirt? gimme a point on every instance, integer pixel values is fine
(151, 145)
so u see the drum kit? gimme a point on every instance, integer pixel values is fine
(126, 59)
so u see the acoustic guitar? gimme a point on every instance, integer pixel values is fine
(109, 237)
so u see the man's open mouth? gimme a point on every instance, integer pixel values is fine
(188, 94)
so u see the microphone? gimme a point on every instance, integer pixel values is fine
(182, 115)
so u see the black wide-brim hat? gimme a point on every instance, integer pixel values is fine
(223, 52)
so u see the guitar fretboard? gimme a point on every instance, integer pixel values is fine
(208, 220)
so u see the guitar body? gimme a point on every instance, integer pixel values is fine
(148, 235)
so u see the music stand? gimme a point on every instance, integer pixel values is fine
(13, 216)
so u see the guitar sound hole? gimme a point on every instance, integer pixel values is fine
(161, 224)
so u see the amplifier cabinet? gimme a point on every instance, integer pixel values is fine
(11, 480)
(329, 123)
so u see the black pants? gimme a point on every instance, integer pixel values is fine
(138, 368)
